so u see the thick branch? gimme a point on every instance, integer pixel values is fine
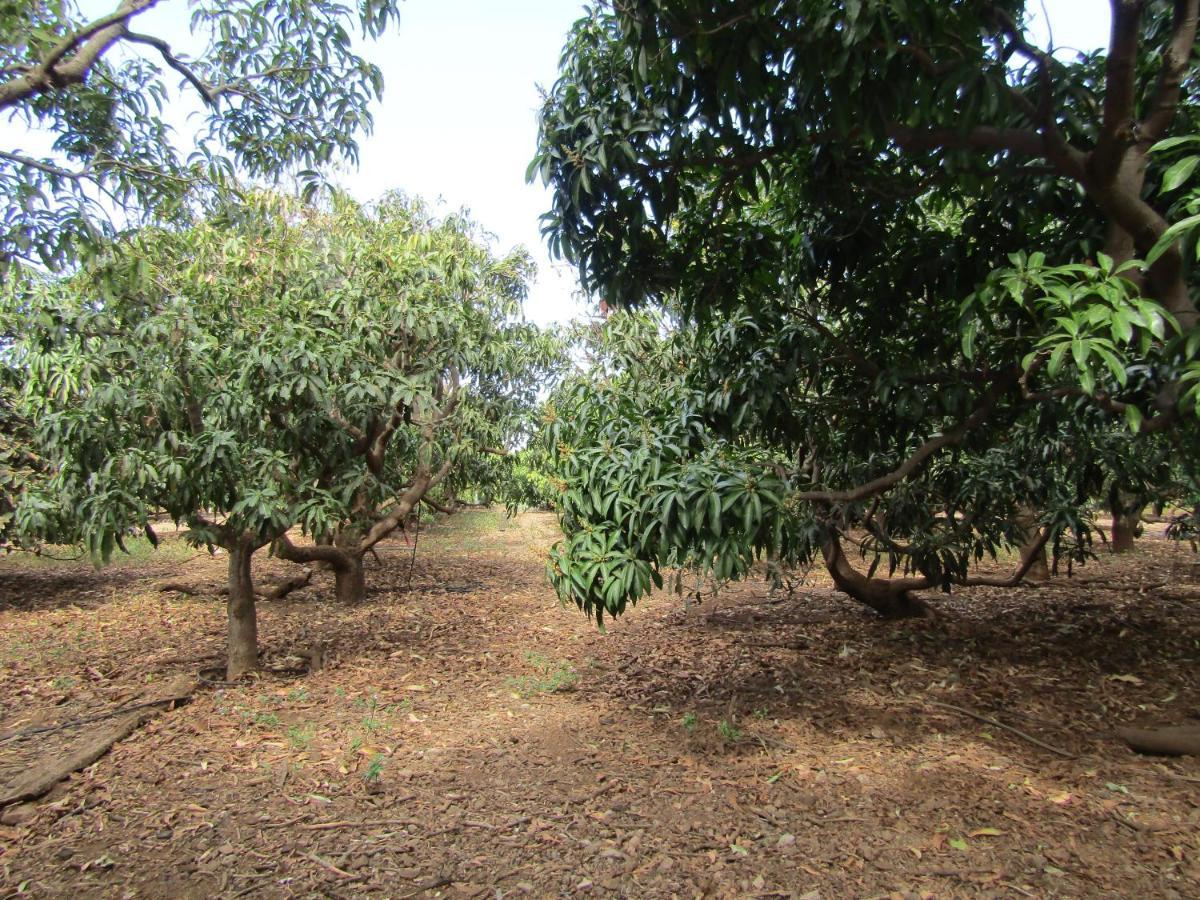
(1158, 422)
(89, 43)
(1019, 141)
(1163, 102)
(324, 553)
(1116, 123)
(421, 485)
(1031, 555)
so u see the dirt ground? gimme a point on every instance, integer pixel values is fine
(469, 737)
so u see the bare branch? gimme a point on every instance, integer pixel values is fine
(1019, 141)
(48, 168)
(1031, 554)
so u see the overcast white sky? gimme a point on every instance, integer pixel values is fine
(457, 121)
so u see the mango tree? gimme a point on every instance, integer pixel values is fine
(274, 365)
(435, 377)
(281, 87)
(914, 263)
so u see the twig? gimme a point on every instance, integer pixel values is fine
(326, 864)
(998, 724)
(330, 826)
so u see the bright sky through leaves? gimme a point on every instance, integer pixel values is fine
(457, 120)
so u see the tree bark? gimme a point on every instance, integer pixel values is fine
(890, 598)
(243, 621)
(349, 582)
(346, 561)
(1126, 510)
(1033, 543)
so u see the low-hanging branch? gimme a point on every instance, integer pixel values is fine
(914, 462)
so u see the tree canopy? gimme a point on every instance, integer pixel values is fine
(916, 270)
(272, 366)
(282, 86)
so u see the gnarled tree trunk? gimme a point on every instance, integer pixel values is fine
(243, 621)
(891, 598)
(344, 556)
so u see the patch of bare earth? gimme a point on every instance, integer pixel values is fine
(469, 737)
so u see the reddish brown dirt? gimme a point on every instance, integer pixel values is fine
(766, 747)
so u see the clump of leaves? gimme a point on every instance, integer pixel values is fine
(689, 722)
(551, 676)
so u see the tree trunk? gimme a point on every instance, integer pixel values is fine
(243, 623)
(349, 582)
(1126, 510)
(891, 598)
(344, 557)
(1039, 569)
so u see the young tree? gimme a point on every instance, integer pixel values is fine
(903, 238)
(274, 365)
(281, 85)
(435, 377)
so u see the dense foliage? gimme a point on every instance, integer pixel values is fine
(282, 86)
(899, 248)
(275, 365)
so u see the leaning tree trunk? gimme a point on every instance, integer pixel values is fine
(891, 598)
(1126, 510)
(243, 621)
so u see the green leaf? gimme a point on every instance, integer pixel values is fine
(1133, 416)
(1169, 237)
(1180, 172)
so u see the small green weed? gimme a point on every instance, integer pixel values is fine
(300, 738)
(297, 695)
(728, 731)
(374, 768)
(265, 718)
(552, 676)
(373, 721)
(689, 722)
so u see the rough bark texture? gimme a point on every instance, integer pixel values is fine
(349, 581)
(243, 622)
(1126, 511)
(1035, 544)
(890, 598)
